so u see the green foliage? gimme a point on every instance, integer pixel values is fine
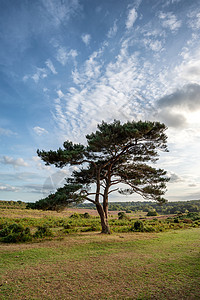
(192, 207)
(138, 226)
(15, 233)
(91, 228)
(86, 215)
(122, 215)
(75, 216)
(149, 228)
(176, 220)
(12, 204)
(193, 216)
(60, 199)
(59, 226)
(115, 153)
(151, 213)
(43, 231)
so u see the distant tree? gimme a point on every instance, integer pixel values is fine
(115, 153)
(152, 213)
(122, 215)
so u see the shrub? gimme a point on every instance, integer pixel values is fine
(67, 226)
(176, 220)
(193, 216)
(149, 228)
(15, 233)
(86, 215)
(138, 226)
(152, 213)
(43, 231)
(121, 229)
(122, 215)
(75, 216)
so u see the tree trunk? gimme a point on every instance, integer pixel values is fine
(104, 220)
(105, 208)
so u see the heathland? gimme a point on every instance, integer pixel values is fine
(50, 255)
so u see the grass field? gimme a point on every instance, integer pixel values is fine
(93, 266)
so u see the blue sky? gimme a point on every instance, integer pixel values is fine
(67, 65)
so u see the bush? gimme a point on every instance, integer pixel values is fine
(15, 233)
(193, 216)
(86, 215)
(67, 226)
(43, 231)
(122, 215)
(176, 220)
(149, 228)
(138, 226)
(152, 213)
(75, 216)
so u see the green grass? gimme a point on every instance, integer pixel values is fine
(94, 266)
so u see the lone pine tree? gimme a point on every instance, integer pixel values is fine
(115, 154)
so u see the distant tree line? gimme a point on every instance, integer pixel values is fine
(128, 207)
(166, 208)
(12, 204)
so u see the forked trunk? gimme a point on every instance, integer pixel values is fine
(104, 219)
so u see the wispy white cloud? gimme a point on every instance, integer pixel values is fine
(7, 132)
(39, 164)
(18, 162)
(154, 45)
(39, 130)
(132, 16)
(51, 66)
(41, 73)
(189, 69)
(60, 11)
(8, 188)
(194, 19)
(113, 30)
(169, 20)
(86, 38)
(125, 89)
(33, 188)
(103, 95)
(63, 55)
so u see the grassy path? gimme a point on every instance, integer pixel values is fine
(94, 266)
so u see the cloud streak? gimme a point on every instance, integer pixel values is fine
(51, 66)
(113, 30)
(63, 55)
(169, 20)
(132, 16)
(18, 162)
(8, 188)
(39, 130)
(86, 38)
(6, 132)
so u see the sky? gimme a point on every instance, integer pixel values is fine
(66, 65)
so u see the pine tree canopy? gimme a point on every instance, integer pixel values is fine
(115, 154)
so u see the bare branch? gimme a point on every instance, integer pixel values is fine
(114, 190)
